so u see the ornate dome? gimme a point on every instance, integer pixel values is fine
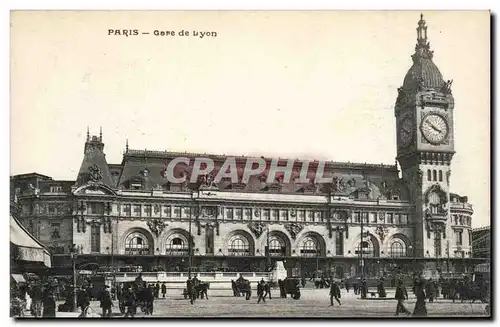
(423, 73)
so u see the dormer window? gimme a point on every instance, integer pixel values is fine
(55, 189)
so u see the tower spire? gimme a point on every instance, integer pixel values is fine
(100, 134)
(126, 145)
(88, 134)
(422, 49)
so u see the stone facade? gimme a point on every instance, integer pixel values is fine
(366, 215)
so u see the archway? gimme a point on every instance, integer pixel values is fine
(240, 243)
(279, 244)
(138, 241)
(312, 245)
(369, 247)
(398, 246)
(177, 242)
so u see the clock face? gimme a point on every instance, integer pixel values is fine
(434, 128)
(406, 131)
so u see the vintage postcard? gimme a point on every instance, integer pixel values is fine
(250, 164)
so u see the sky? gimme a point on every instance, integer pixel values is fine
(314, 85)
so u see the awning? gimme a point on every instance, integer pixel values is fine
(27, 248)
(18, 278)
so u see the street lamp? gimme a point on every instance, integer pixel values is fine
(73, 254)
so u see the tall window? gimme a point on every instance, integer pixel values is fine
(390, 218)
(356, 217)
(367, 248)
(127, 210)
(266, 214)
(56, 234)
(364, 216)
(147, 210)
(440, 175)
(398, 249)
(339, 244)
(459, 237)
(429, 175)
(277, 246)
(137, 210)
(239, 245)
(309, 247)
(437, 244)
(434, 175)
(137, 243)
(95, 238)
(176, 245)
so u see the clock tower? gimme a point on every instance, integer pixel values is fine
(424, 122)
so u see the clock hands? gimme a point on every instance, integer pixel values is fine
(434, 127)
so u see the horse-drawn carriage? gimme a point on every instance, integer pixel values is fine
(291, 286)
(242, 287)
(134, 295)
(200, 290)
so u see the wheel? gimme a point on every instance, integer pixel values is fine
(297, 296)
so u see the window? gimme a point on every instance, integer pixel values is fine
(95, 238)
(157, 209)
(284, 215)
(440, 175)
(356, 217)
(266, 214)
(301, 215)
(31, 227)
(459, 237)
(248, 214)
(277, 246)
(52, 208)
(55, 189)
(390, 218)
(404, 219)
(96, 208)
(364, 216)
(339, 243)
(434, 175)
(177, 245)
(429, 175)
(229, 213)
(310, 215)
(147, 210)
(239, 246)
(127, 209)
(373, 217)
(239, 214)
(437, 244)
(137, 209)
(167, 211)
(177, 212)
(309, 247)
(397, 249)
(187, 212)
(367, 248)
(136, 244)
(55, 235)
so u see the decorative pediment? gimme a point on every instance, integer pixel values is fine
(95, 174)
(208, 212)
(294, 229)
(94, 188)
(257, 228)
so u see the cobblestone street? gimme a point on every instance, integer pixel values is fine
(313, 303)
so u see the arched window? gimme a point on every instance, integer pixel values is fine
(309, 247)
(137, 244)
(398, 249)
(177, 245)
(440, 175)
(434, 175)
(367, 248)
(277, 246)
(429, 175)
(239, 245)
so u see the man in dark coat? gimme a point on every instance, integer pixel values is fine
(106, 301)
(364, 289)
(149, 297)
(347, 285)
(163, 289)
(260, 291)
(49, 303)
(334, 293)
(157, 290)
(430, 290)
(381, 289)
(355, 287)
(401, 296)
(36, 300)
(282, 288)
(267, 288)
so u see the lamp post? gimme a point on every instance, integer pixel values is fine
(73, 259)
(194, 196)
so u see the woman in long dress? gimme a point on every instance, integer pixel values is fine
(420, 308)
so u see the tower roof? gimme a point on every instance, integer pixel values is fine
(423, 73)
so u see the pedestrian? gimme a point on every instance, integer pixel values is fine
(267, 288)
(430, 290)
(260, 292)
(49, 303)
(381, 289)
(364, 289)
(346, 285)
(106, 301)
(163, 289)
(401, 296)
(157, 290)
(334, 293)
(420, 309)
